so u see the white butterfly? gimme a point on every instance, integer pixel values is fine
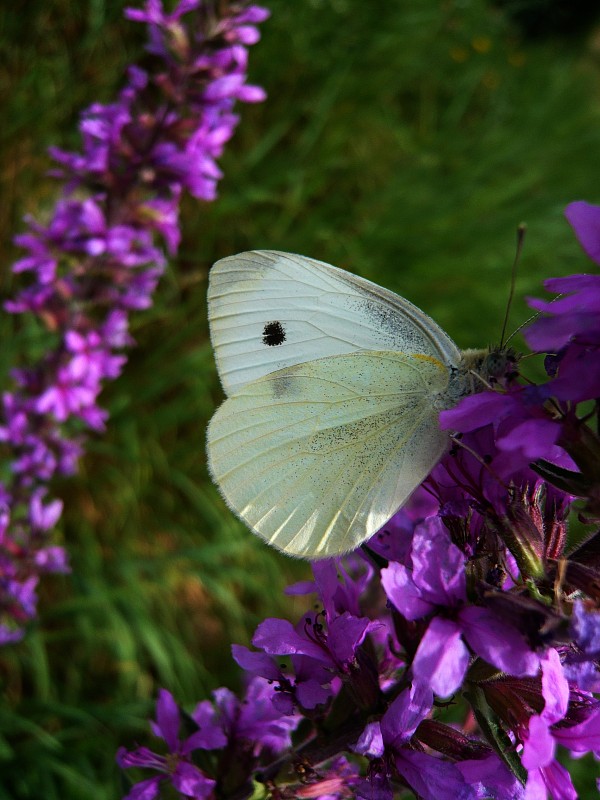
(335, 386)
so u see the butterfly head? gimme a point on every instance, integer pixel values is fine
(493, 366)
(479, 370)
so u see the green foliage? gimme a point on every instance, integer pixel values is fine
(405, 141)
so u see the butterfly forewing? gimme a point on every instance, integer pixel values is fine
(316, 457)
(270, 310)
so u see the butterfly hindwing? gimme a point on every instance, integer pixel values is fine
(316, 457)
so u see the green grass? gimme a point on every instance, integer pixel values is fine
(404, 141)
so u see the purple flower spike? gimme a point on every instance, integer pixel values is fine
(100, 256)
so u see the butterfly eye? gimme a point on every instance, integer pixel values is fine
(499, 364)
(273, 334)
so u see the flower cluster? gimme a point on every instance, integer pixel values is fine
(98, 258)
(458, 653)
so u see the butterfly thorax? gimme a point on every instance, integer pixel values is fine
(477, 371)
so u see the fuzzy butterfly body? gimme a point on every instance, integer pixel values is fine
(334, 389)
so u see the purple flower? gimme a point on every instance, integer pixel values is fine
(571, 330)
(518, 431)
(99, 255)
(249, 730)
(538, 750)
(307, 687)
(175, 767)
(319, 654)
(255, 720)
(43, 517)
(339, 584)
(428, 776)
(573, 722)
(433, 586)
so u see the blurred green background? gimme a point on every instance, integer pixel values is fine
(402, 140)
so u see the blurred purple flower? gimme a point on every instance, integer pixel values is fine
(176, 766)
(98, 258)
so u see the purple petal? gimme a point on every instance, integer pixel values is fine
(260, 721)
(539, 747)
(582, 738)
(43, 516)
(301, 588)
(438, 564)
(140, 757)
(278, 637)
(167, 719)
(247, 34)
(585, 629)
(228, 705)
(533, 438)
(405, 714)
(553, 780)
(489, 777)
(555, 688)
(52, 559)
(431, 778)
(253, 14)
(579, 374)
(311, 693)
(345, 635)
(442, 657)
(145, 790)
(211, 735)
(227, 86)
(251, 94)
(370, 742)
(579, 282)
(584, 675)
(497, 642)
(477, 410)
(258, 663)
(402, 593)
(584, 218)
(188, 780)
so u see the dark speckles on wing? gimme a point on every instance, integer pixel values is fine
(273, 334)
(393, 330)
(282, 387)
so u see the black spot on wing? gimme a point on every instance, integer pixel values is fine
(273, 334)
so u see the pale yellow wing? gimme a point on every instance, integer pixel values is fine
(316, 458)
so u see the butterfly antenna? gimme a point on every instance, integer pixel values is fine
(531, 319)
(513, 278)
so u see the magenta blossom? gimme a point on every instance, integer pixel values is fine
(100, 255)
